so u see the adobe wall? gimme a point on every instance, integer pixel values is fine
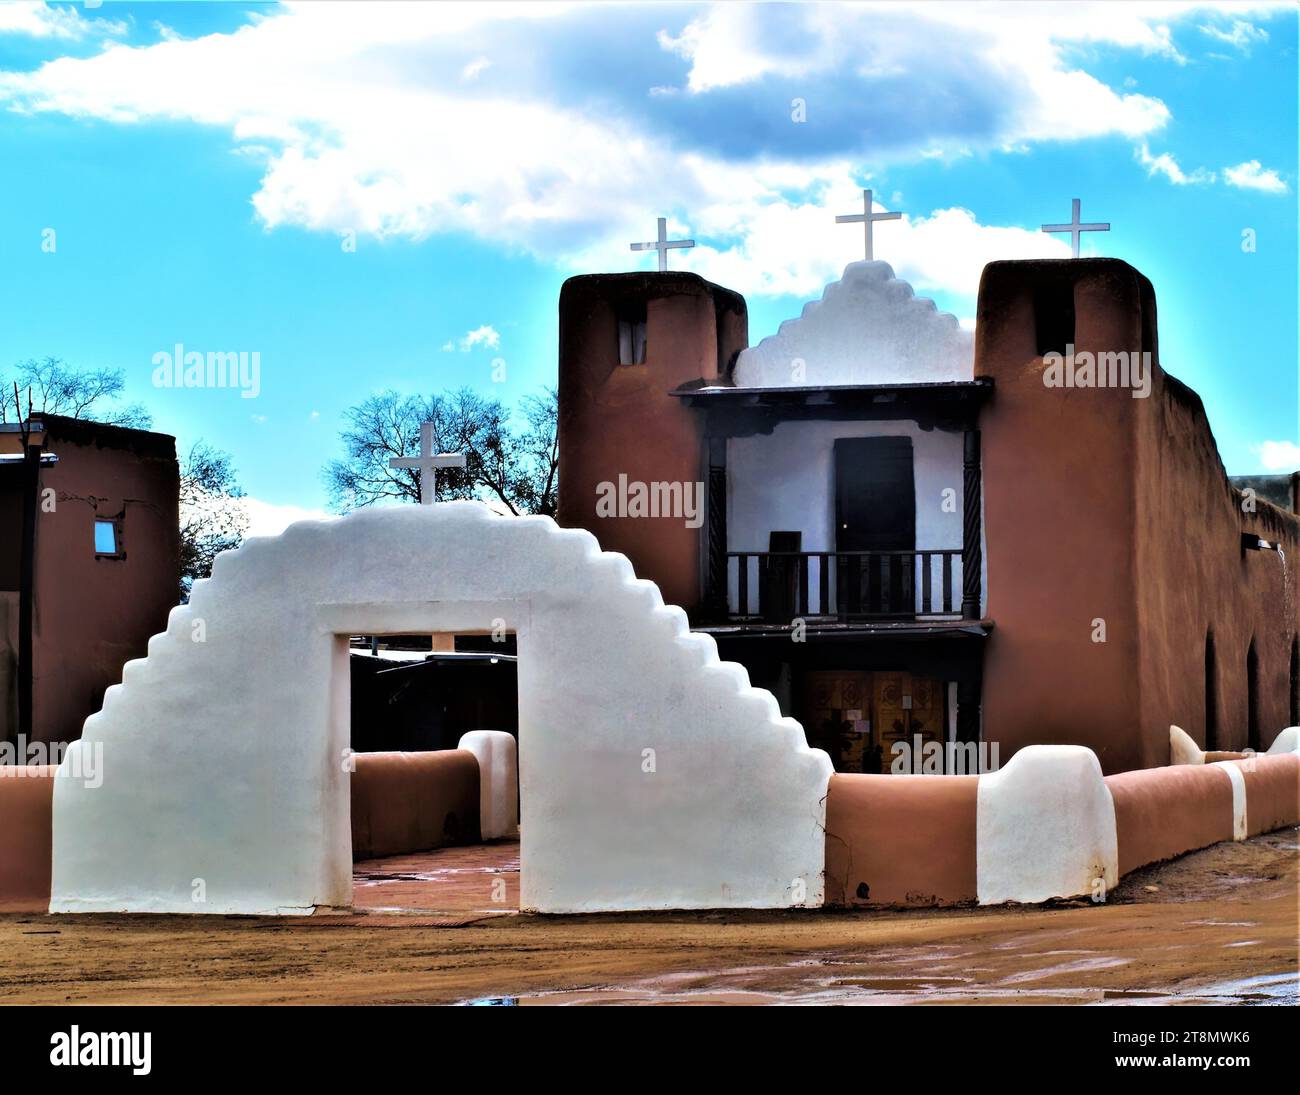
(900, 840)
(1047, 825)
(1059, 507)
(26, 816)
(1163, 812)
(1102, 506)
(1196, 580)
(409, 802)
(94, 614)
(619, 419)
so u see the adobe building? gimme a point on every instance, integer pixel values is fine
(89, 566)
(912, 533)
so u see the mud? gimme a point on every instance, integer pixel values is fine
(1217, 926)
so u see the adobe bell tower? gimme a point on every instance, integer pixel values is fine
(626, 341)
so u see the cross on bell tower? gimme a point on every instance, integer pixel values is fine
(1074, 228)
(867, 218)
(663, 244)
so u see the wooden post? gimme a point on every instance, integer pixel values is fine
(968, 707)
(972, 556)
(27, 584)
(716, 547)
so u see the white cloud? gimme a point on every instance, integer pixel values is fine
(37, 20)
(269, 519)
(1166, 165)
(1279, 455)
(1240, 34)
(1252, 176)
(370, 117)
(799, 249)
(484, 336)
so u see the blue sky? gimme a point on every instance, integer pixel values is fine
(200, 165)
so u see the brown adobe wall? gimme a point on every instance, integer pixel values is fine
(93, 614)
(26, 820)
(1272, 792)
(619, 419)
(1058, 512)
(410, 802)
(1163, 812)
(1196, 580)
(1099, 505)
(900, 840)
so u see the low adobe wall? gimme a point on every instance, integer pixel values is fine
(900, 840)
(1163, 812)
(26, 813)
(1272, 792)
(1046, 825)
(409, 802)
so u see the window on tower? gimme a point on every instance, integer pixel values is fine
(1054, 316)
(631, 333)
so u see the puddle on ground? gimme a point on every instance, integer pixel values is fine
(841, 982)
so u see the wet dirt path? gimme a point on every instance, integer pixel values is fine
(1219, 925)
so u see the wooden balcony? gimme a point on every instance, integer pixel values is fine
(779, 586)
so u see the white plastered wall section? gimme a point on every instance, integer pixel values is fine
(223, 759)
(1045, 828)
(868, 328)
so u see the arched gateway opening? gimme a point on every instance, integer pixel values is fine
(651, 774)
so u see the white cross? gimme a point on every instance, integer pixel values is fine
(662, 244)
(867, 217)
(1074, 228)
(427, 463)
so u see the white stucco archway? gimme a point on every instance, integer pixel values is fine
(223, 748)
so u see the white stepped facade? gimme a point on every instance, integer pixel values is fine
(653, 776)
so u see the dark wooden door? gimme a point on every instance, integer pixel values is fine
(875, 510)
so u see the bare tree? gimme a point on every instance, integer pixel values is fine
(55, 387)
(213, 518)
(515, 467)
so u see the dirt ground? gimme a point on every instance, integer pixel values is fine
(1217, 926)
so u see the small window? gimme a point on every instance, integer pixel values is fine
(631, 333)
(1054, 316)
(106, 538)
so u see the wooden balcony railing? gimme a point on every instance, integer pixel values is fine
(778, 586)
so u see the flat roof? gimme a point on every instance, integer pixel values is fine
(702, 391)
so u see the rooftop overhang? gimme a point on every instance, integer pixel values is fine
(878, 631)
(735, 411)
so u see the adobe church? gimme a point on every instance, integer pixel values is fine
(910, 533)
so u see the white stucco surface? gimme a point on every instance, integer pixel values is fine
(1287, 741)
(1045, 827)
(498, 782)
(1232, 769)
(868, 328)
(785, 480)
(653, 775)
(1183, 748)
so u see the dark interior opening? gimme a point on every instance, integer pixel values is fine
(631, 332)
(1252, 698)
(1211, 696)
(408, 697)
(1054, 316)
